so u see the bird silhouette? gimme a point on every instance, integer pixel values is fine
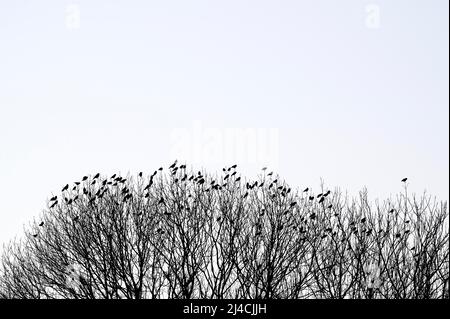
(77, 183)
(140, 174)
(41, 224)
(234, 166)
(321, 200)
(173, 165)
(65, 188)
(330, 206)
(84, 178)
(311, 197)
(97, 176)
(114, 176)
(53, 198)
(54, 204)
(35, 235)
(306, 189)
(404, 180)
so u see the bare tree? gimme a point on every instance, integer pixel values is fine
(183, 234)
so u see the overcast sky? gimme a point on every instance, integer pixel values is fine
(354, 92)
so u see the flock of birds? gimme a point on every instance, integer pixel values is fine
(87, 187)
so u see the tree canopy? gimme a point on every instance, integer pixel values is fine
(177, 233)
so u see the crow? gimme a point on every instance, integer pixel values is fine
(330, 206)
(85, 178)
(97, 175)
(77, 183)
(41, 224)
(140, 174)
(53, 198)
(404, 180)
(306, 189)
(114, 176)
(321, 200)
(35, 235)
(234, 166)
(173, 165)
(65, 188)
(311, 197)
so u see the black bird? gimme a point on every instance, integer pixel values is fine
(74, 188)
(41, 224)
(363, 220)
(311, 197)
(306, 189)
(53, 198)
(54, 204)
(270, 174)
(392, 210)
(77, 183)
(114, 176)
(160, 169)
(238, 179)
(173, 165)
(140, 174)
(330, 206)
(35, 235)
(65, 188)
(327, 193)
(234, 166)
(321, 199)
(84, 178)
(404, 180)
(97, 175)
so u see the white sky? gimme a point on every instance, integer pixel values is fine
(346, 91)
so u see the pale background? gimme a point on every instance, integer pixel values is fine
(354, 92)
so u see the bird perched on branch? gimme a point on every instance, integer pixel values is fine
(65, 188)
(41, 224)
(404, 180)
